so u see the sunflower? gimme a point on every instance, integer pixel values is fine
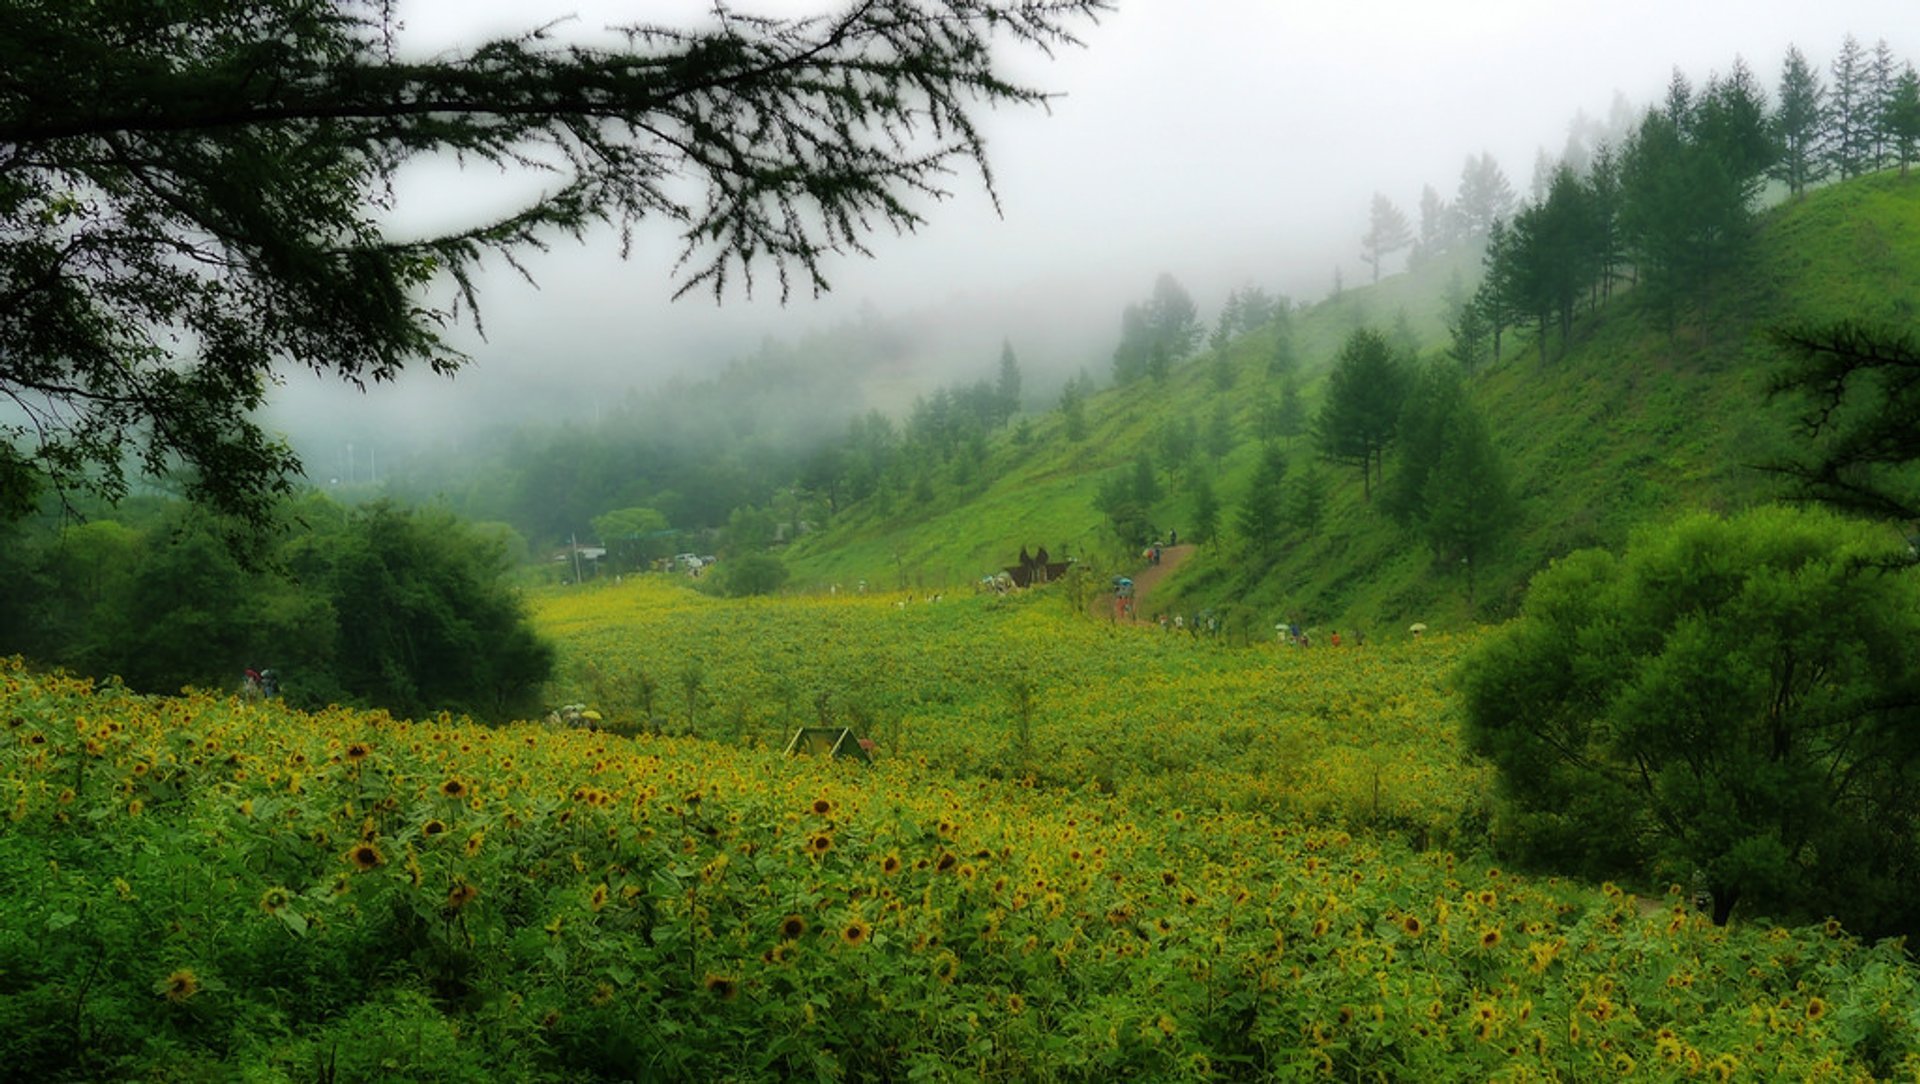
(275, 900)
(1411, 924)
(460, 895)
(890, 864)
(820, 844)
(453, 788)
(1016, 1004)
(1490, 938)
(433, 827)
(792, 926)
(856, 932)
(822, 807)
(598, 898)
(723, 987)
(1816, 1008)
(359, 751)
(365, 856)
(178, 986)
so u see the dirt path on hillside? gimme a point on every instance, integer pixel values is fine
(1144, 581)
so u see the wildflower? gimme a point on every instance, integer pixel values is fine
(178, 986)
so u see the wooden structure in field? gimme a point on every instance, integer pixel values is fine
(829, 741)
(1035, 569)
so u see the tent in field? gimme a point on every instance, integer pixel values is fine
(828, 741)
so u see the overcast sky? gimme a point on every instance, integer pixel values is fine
(1224, 141)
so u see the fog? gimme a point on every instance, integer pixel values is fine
(1227, 142)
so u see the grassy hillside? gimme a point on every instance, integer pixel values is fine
(1634, 422)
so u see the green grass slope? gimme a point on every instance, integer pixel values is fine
(1634, 421)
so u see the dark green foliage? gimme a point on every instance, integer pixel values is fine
(187, 198)
(1902, 120)
(1262, 516)
(383, 607)
(1466, 501)
(1860, 391)
(752, 574)
(425, 623)
(1205, 510)
(1362, 408)
(1734, 698)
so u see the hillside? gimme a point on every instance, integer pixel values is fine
(1635, 422)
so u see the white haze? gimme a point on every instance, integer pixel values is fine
(1225, 141)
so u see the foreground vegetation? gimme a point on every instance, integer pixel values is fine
(205, 887)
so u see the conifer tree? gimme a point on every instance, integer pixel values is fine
(1362, 409)
(1387, 233)
(188, 194)
(1798, 125)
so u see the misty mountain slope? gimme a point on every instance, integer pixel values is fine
(1634, 422)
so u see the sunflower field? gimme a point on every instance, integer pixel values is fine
(197, 887)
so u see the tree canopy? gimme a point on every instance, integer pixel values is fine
(191, 195)
(1732, 699)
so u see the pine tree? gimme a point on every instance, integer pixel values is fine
(1798, 126)
(1466, 501)
(1849, 141)
(1262, 518)
(1903, 118)
(1364, 393)
(1006, 389)
(191, 195)
(1387, 233)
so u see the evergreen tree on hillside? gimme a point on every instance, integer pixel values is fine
(1849, 140)
(1136, 345)
(1883, 73)
(1219, 436)
(1006, 388)
(1798, 125)
(1205, 510)
(1356, 422)
(1437, 224)
(1903, 118)
(1483, 198)
(1261, 517)
(1466, 505)
(1436, 393)
(1073, 408)
(1173, 317)
(1387, 233)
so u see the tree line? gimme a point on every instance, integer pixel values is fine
(380, 606)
